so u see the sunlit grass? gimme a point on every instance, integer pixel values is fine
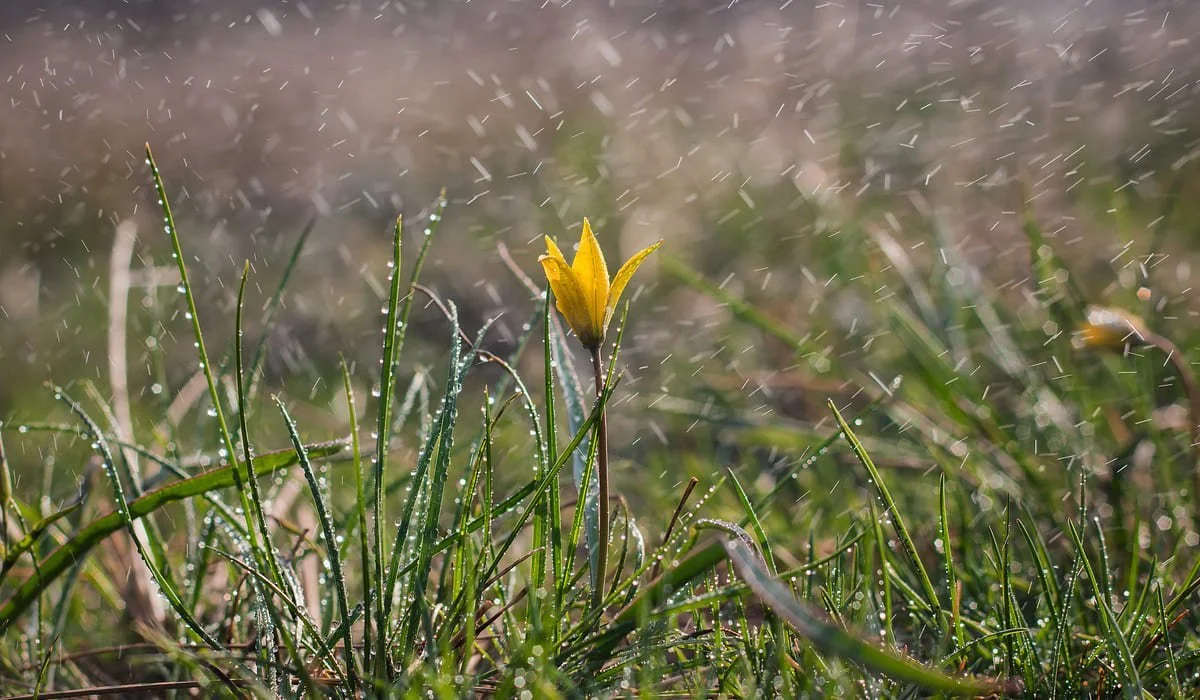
(982, 500)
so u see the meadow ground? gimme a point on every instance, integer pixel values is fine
(904, 405)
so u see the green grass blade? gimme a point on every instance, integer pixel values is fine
(395, 333)
(360, 508)
(1115, 638)
(1165, 632)
(537, 489)
(832, 640)
(442, 445)
(62, 558)
(331, 543)
(585, 519)
(582, 461)
(558, 563)
(885, 564)
(764, 543)
(194, 316)
(1062, 632)
(383, 426)
(948, 556)
(906, 541)
(1042, 567)
(34, 533)
(312, 642)
(694, 564)
(265, 553)
(127, 519)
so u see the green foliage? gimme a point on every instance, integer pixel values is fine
(958, 520)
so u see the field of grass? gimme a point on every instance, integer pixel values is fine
(904, 406)
(955, 488)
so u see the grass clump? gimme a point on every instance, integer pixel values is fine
(930, 536)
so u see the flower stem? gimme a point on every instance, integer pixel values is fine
(602, 479)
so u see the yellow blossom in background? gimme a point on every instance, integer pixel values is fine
(1108, 327)
(582, 291)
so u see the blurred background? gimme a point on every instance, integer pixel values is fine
(783, 150)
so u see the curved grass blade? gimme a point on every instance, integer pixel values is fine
(690, 567)
(194, 316)
(1123, 657)
(127, 521)
(317, 644)
(539, 487)
(441, 443)
(266, 553)
(906, 541)
(62, 558)
(833, 640)
(1164, 632)
(35, 533)
(948, 558)
(980, 642)
(331, 543)
(764, 544)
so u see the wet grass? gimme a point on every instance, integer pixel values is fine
(961, 488)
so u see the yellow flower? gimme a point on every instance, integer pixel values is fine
(1112, 328)
(582, 291)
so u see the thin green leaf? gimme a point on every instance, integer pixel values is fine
(906, 541)
(58, 561)
(832, 640)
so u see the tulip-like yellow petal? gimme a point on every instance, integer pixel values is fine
(1112, 328)
(622, 279)
(552, 249)
(583, 292)
(592, 272)
(569, 298)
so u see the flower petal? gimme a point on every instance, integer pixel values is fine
(569, 299)
(592, 272)
(552, 249)
(623, 276)
(1112, 328)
